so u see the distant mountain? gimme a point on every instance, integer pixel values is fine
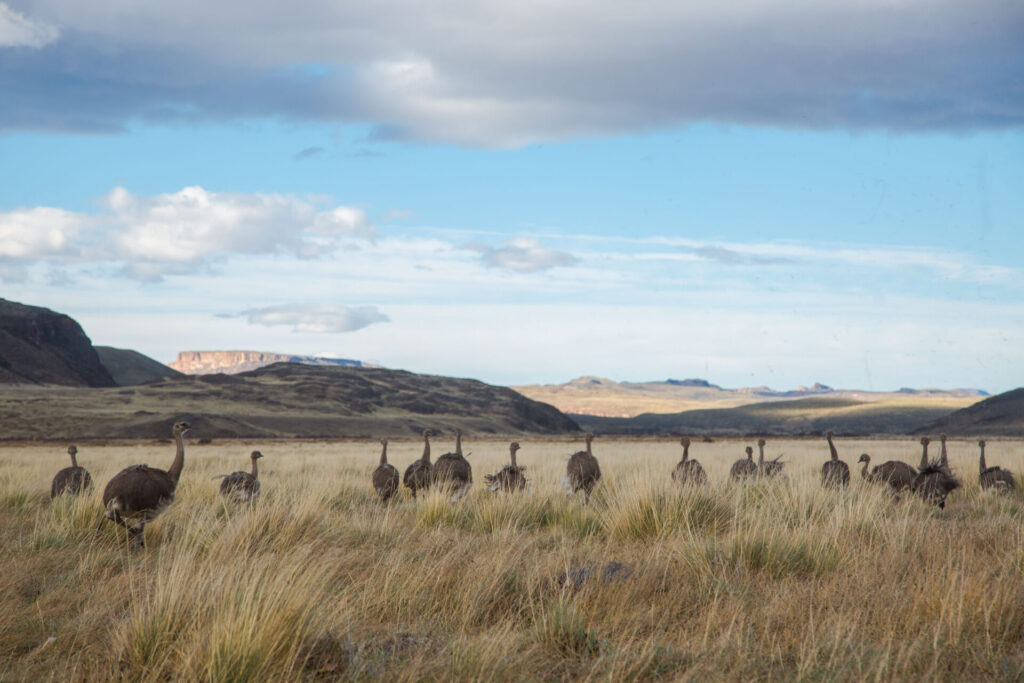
(603, 397)
(794, 417)
(234, 362)
(280, 400)
(999, 415)
(40, 346)
(129, 368)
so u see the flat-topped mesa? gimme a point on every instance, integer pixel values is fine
(233, 362)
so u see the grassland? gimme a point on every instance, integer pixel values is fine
(318, 581)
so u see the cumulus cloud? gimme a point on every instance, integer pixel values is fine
(501, 76)
(17, 30)
(310, 318)
(176, 232)
(524, 255)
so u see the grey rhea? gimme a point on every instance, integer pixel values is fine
(138, 494)
(894, 473)
(583, 471)
(420, 472)
(73, 480)
(934, 481)
(742, 469)
(834, 473)
(453, 473)
(242, 487)
(510, 477)
(768, 468)
(995, 478)
(385, 476)
(688, 471)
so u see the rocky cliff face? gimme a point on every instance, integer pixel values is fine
(40, 346)
(233, 362)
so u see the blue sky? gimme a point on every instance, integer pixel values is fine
(783, 193)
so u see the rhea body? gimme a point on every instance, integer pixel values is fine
(688, 471)
(453, 472)
(510, 477)
(995, 478)
(385, 476)
(420, 473)
(242, 487)
(834, 473)
(138, 494)
(72, 480)
(583, 471)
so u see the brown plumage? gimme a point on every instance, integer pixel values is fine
(72, 480)
(138, 494)
(934, 481)
(583, 471)
(510, 477)
(769, 468)
(385, 476)
(995, 478)
(420, 473)
(741, 469)
(898, 475)
(688, 471)
(242, 487)
(834, 473)
(453, 472)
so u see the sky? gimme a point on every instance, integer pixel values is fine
(769, 192)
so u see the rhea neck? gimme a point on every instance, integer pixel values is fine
(864, 471)
(589, 437)
(981, 459)
(512, 453)
(458, 442)
(254, 473)
(179, 457)
(383, 452)
(74, 460)
(832, 448)
(924, 455)
(943, 457)
(760, 452)
(426, 448)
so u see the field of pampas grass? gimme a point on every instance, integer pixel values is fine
(317, 580)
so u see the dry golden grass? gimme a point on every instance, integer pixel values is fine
(317, 580)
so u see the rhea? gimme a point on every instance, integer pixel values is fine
(385, 476)
(583, 471)
(688, 471)
(896, 474)
(510, 477)
(242, 487)
(72, 480)
(138, 494)
(420, 473)
(995, 478)
(934, 481)
(452, 471)
(769, 468)
(834, 473)
(741, 469)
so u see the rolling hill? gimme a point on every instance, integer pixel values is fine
(999, 415)
(280, 400)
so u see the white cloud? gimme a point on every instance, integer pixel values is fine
(524, 255)
(17, 30)
(177, 232)
(320, 319)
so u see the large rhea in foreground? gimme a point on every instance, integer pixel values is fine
(138, 494)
